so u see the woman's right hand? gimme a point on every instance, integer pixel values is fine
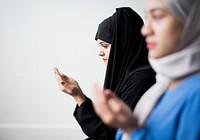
(69, 86)
(113, 111)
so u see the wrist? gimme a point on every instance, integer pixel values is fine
(129, 127)
(80, 98)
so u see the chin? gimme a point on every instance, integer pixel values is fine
(155, 55)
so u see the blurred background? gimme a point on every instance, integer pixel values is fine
(35, 37)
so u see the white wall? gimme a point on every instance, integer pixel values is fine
(35, 36)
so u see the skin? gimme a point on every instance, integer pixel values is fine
(104, 50)
(112, 110)
(162, 30)
(162, 33)
(70, 86)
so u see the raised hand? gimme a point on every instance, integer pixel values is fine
(112, 110)
(69, 86)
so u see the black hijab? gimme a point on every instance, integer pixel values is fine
(128, 71)
(128, 52)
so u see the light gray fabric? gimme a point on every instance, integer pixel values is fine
(179, 8)
(125, 136)
(184, 61)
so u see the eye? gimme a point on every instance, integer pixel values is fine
(105, 45)
(157, 17)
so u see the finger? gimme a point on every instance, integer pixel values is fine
(96, 90)
(58, 75)
(97, 96)
(65, 77)
(109, 93)
(100, 100)
(102, 108)
(56, 71)
(100, 97)
(114, 105)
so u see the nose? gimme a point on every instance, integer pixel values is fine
(101, 53)
(146, 29)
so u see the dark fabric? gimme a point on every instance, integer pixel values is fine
(128, 71)
(90, 123)
(128, 52)
(105, 30)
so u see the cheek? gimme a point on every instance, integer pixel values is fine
(167, 41)
(172, 35)
(171, 39)
(107, 53)
(165, 46)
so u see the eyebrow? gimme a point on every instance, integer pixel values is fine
(103, 43)
(155, 9)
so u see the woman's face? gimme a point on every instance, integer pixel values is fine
(104, 50)
(162, 29)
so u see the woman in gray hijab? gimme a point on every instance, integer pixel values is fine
(170, 109)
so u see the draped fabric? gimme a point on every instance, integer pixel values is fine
(105, 30)
(128, 54)
(128, 72)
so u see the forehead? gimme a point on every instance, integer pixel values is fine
(99, 41)
(153, 5)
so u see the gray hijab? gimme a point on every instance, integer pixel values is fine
(183, 62)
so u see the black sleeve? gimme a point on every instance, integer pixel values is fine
(91, 124)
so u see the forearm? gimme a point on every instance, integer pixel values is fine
(79, 97)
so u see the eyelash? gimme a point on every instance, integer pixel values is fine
(157, 17)
(105, 46)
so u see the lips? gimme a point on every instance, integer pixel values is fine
(151, 45)
(105, 60)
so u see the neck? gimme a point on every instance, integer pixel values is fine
(174, 83)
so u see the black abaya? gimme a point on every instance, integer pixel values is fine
(128, 72)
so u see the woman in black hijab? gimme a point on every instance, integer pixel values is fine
(128, 72)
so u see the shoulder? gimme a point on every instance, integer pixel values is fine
(143, 75)
(190, 87)
(143, 71)
(191, 83)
